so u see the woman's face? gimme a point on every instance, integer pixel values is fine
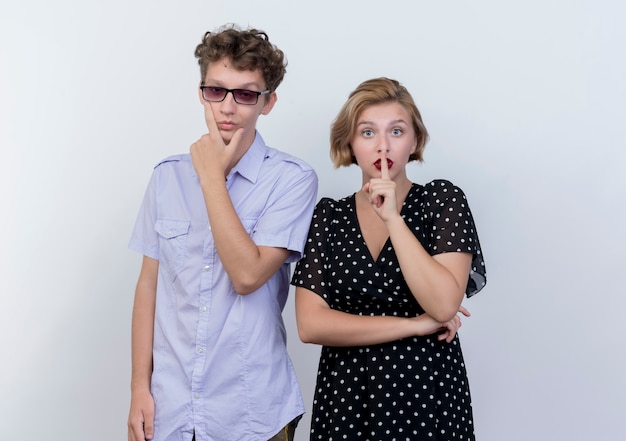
(383, 127)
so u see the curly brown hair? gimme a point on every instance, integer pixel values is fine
(246, 49)
(369, 93)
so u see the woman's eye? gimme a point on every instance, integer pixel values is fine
(397, 131)
(367, 132)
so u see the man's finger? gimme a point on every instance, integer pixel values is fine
(210, 118)
(148, 424)
(236, 139)
(464, 311)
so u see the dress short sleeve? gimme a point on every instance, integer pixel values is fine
(453, 229)
(310, 272)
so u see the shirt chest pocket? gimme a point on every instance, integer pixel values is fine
(173, 236)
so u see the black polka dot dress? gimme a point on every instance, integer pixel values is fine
(410, 389)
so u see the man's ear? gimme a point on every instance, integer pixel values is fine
(269, 103)
(200, 94)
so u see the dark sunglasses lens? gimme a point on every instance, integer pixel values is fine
(243, 96)
(213, 93)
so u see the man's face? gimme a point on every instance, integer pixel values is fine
(230, 115)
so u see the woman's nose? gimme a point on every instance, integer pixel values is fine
(383, 145)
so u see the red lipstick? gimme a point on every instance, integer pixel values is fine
(389, 164)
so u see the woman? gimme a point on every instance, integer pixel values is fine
(381, 283)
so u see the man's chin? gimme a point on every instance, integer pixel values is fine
(227, 137)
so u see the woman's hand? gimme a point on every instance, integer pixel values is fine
(445, 330)
(381, 192)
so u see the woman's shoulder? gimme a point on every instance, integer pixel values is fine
(441, 189)
(331, 209)
(438, 184)
(327, 203)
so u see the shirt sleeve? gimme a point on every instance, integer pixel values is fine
(286, 218)
(144, 238)
(453, 229)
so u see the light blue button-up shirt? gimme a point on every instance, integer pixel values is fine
(220, 360)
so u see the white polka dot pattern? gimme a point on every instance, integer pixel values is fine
(411, 389)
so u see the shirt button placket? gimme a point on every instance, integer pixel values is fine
(197, 389)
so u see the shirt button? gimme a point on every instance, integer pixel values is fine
(203, 309)
(206, 268)
(196, 395)
(200, 350)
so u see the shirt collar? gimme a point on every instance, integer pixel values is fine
(250, 163)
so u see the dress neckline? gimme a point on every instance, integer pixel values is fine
(387, 244)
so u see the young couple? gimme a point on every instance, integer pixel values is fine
(380, 275)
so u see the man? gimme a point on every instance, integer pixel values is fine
(218, 229)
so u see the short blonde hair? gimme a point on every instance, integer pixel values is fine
(369, 93)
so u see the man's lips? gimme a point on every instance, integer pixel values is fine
(226, 125)
(389, 164)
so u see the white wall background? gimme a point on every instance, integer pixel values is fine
(525, 105)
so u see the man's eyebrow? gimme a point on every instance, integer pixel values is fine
(219, 83)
